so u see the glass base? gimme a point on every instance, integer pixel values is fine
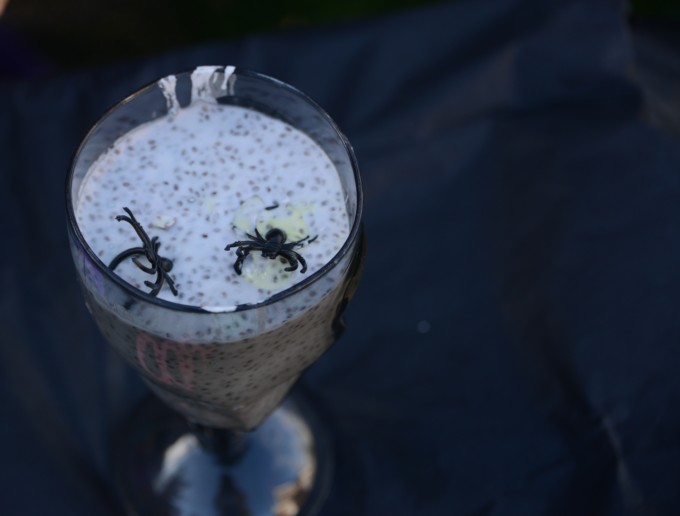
(283, 468)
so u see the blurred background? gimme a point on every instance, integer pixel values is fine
(72, 33)
(44, 37)
(41, 36)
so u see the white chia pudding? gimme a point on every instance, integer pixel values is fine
(199, 178)
(203, 178)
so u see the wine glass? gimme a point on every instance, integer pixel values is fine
(230, 437)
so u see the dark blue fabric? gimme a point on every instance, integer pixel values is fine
(514, 345)
(17, 58)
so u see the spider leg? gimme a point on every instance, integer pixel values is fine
(240, 243)
(154, 251)
(296, 257)
(291, 258)
(300, 243)
(303, 262)
(148, 270)
(155, 287)
(170, 282)
(161, 277)
(125, 254)
(241, 253)
(125, 218)
(137, 227)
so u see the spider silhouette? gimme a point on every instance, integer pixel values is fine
(159, 266)
(273, 244)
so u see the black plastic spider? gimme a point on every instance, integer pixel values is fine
(273, 244)
(159, 266)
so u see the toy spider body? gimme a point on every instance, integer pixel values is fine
(273, 244)
(158, 265)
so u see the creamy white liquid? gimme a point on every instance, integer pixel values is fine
(201, 178)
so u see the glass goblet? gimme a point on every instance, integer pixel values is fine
(226, 440)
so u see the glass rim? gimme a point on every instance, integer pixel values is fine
(138, 294)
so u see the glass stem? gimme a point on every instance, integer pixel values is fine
(226, 445)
